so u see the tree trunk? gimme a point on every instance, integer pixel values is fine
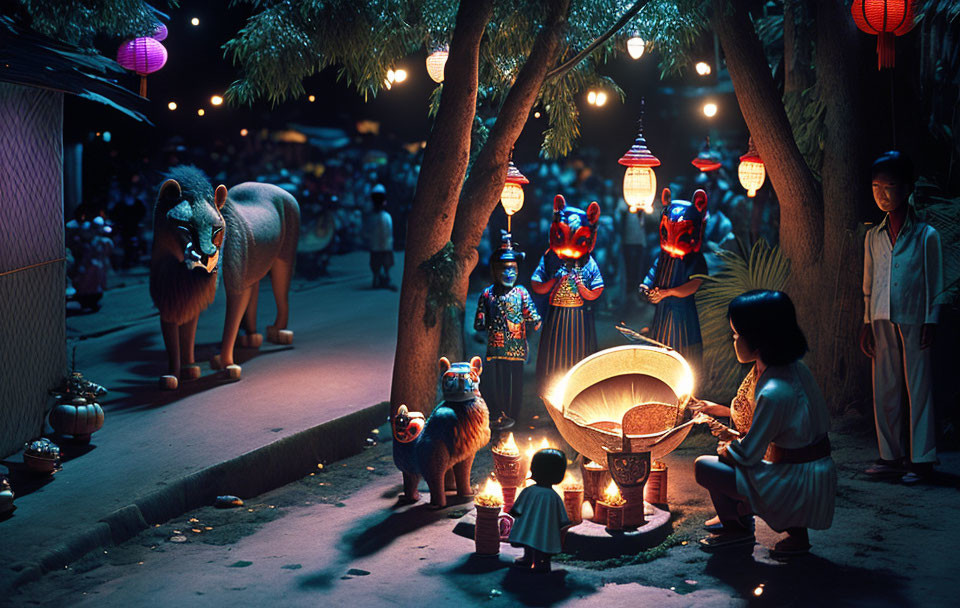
(481, 192)
(433, 210)
(841, 366)
(801, 206)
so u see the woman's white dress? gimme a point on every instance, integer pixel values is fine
(791, 412)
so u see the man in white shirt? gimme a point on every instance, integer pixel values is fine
(902, 278)
(380, 230)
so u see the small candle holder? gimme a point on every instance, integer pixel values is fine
(486, 534)
(613, 513)
(510, 470)
(655, 492)
(595, 478)
(573, 502)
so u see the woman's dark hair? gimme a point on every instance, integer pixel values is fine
(548, 466)
(768, 322)
(895, 164)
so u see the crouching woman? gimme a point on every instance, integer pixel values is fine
(793, 489)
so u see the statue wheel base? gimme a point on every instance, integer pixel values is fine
(169, 383)
(279, 336)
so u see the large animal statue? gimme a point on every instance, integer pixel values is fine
(249, 231)
(670, 284)
(448, 439)
(571, 276)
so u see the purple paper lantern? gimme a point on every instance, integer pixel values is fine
(143, 56)
(160, 33)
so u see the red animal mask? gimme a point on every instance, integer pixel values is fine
(573, 232)
(682, 224)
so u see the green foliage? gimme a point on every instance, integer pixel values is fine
(807, 115)
(943, 214)
(765, 267)
(441, 270)
(289, 41)
(80, 21)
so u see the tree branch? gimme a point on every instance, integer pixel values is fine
(566, 66)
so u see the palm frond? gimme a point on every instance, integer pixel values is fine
(763, 267)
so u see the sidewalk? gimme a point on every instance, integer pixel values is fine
(162, 453)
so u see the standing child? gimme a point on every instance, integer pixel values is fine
(902, 278)
(539, 512)
(381, 239)
(503, 311)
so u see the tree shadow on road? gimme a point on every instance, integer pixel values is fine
(806, 581)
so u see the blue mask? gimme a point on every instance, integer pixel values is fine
(508, 276)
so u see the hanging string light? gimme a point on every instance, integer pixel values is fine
(635, 46)
(639, 181)
(751, 170)
(512, 196)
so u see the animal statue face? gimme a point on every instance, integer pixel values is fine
(195, 223)
(682, 224)
(407, 425)
(573, 232)
(460, 381)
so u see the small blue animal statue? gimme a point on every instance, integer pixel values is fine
(448, 439)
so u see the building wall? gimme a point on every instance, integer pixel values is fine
(32, 279)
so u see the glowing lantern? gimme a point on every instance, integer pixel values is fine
(703, 68)
(512, 196)
(639, 181)
(751, 170)
(436, 61)
(635, 46)
(159, 32)
(143, 56)
(707, 160)
(886, 19)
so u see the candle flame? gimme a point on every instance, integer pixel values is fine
(508, 447)
(612, 496)
(491, 496)
(586, 511)
(571, 484)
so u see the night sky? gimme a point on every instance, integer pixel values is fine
(196, 70)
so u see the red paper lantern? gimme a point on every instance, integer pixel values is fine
(707, 160)
(886, 19)
(751, 170)
(143, 56)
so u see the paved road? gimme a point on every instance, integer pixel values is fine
(340, 362)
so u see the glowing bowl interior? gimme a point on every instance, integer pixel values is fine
(589, 403)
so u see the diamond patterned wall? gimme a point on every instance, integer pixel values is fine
(32, 328)
(31, 176)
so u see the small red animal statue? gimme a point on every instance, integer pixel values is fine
(249, 231)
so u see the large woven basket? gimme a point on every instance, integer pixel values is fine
(590, 403)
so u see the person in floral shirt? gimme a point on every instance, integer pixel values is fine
(503, 311)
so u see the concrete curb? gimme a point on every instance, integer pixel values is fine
(247, 475)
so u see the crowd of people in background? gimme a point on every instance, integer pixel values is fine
(333, 180)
